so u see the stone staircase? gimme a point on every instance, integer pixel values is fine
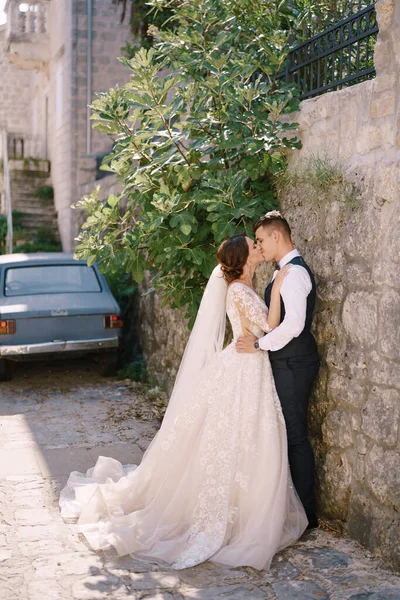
(35, 212)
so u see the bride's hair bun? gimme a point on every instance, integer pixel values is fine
(232, 255)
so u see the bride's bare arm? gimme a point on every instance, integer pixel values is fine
(274, 313)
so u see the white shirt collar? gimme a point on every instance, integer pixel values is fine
(288, 257)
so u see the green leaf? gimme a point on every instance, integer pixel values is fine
(186, 228)
(113, 200)
(198, 138)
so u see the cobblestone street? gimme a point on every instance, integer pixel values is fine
(58, 417)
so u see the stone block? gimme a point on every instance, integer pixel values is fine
(371, 526)
(312, 111)
(384, 82)
(360, 318)
(108, 36)
(383, 371)
(334, 483)
(49, 589)
(327, 558)
(397, 129)
(371, 137)
(18, 462)
(333, 221)
(337, 429)
(387, 182)
(361, 443)
(345, 391)
(395, 39)
(62, 461)
(362, 230)
(335, 351)
(328, 263)
(331, 291)
(389, 324)
(33, 516)
(384, 14)
(383, 475)
(326, 327)
(127, 453)
(358, 273)
(233, 592)
(291, 590)
(383, 106)
(392, 241)
(381, 413)
(386, 273)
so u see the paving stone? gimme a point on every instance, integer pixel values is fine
(387, 594)
(33, 516)
(119, 565)
(21, 461)
(294, 590)
(99, 586)
(328, 558)
(5, 554)
(76, 563)
(211, 574)
(126, 453)
(282, 569)
(232, 592)
(13, 589)
(46, 589)
(160, 596)
(61, 461)
(146, 581)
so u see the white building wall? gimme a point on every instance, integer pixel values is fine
(15, 93)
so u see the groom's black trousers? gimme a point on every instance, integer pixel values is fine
(294, 378)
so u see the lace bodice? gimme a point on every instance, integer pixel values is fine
(243, 304)
(215, 482)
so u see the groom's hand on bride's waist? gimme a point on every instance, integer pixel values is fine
(245, 343)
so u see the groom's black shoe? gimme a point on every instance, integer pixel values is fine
(312, 523)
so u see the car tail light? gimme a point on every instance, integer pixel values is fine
(7, 327)
(112, 322)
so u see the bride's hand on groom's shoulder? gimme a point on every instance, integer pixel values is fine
(245, 343)
(280, 278)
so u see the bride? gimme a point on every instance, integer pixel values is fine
(214, 482)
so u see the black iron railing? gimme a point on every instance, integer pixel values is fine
(339, 56)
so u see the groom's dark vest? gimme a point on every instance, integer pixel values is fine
(304, 344)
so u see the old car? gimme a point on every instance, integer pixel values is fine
(51, 304)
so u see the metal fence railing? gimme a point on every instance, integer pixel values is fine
(338, 56)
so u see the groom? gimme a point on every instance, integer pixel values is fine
(292, 349)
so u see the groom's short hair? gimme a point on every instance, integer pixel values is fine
(274, 220)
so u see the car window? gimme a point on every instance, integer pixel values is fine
(50, 279)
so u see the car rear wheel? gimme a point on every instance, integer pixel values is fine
(5, 369)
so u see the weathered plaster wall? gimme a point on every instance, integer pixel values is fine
(73, 159)
(108, 36)
(15, 92)
(351, 238)
(349, 232)
(60, 117)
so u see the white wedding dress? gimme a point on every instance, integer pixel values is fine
(215, 482)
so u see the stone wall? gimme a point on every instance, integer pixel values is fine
(349, 232)
(342, 199)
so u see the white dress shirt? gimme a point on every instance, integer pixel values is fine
(294, 291)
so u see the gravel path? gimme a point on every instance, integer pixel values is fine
(58, 417)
